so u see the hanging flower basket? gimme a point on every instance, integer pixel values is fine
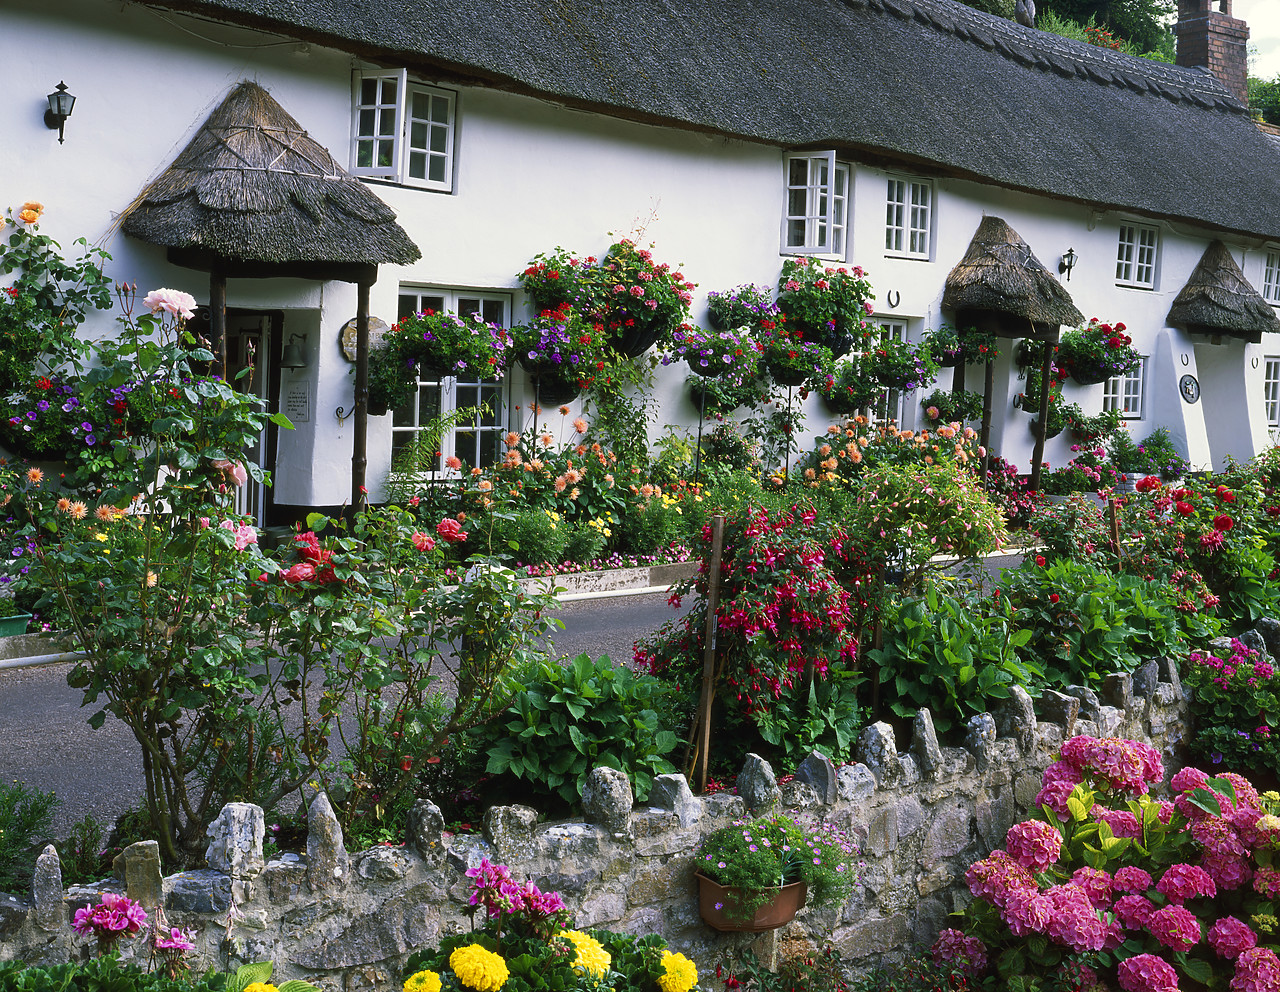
(1097, 352)
(559, 344)
(552, 389)
(641, 301)
(825, 305)
(787, 375)
(716, 904)
(902, 365)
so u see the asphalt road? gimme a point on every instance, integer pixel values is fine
(45, 741)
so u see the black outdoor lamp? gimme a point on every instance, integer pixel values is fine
(60, 104)
(1068, 262)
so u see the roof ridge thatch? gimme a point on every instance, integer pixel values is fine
(252, 185)
(1218, 299)
(1000, 273)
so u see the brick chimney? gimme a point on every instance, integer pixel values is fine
(1216, 40)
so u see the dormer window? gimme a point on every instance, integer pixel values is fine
(817, 209)
(402, 130)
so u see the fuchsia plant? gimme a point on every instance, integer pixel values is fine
(1114, 887)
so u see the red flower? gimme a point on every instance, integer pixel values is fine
(405, 763)
(1273, 511)
(1040, 560)
(1223, 523)
(1147, 483)
(1226, 495)
(1053, 597)
(450, 530)
(44, 383)
(1186, 509)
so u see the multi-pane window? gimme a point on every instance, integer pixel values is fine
(476, 440)
(892, 402)
(908, 216)
(402, 130)
(1271, 389)
(1125, 392)
(1271, 278)
(1136, 256)
(817, 211)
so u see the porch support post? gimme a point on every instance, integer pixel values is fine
(218, 321)
(1037, 456)
(360, 444)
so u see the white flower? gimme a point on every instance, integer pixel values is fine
(173, 301)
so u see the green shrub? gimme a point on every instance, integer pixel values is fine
(25, 816)
(1235, 701)
(533, 537)
(106, 974)
(954, 652)
(652, 523)
(1086, 622)
(821, 714)
(584, 541)
(568, 720)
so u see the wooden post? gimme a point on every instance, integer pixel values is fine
(360, 444)
(957, 377)
(984, 437)
(702, 722)
(1037, 456)
(1113, 514)
(218, 321)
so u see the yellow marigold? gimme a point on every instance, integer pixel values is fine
(679, 973)
(590, 958)
(422, 981)
(259, 987)
(478, 968)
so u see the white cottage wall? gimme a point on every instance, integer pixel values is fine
(531, 175)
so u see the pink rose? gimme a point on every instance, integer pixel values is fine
(423, 542)
(172, 301)
(450, 530)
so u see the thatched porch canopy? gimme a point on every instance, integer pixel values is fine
(1219, 300)
(1000, 283)
(253, 195)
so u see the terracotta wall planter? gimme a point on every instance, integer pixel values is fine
(716, 902)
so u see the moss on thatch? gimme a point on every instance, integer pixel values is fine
(999, 274)
(252, 186)
(1218, 299)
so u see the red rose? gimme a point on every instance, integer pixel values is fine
(1053, 597)
(450, 530)
(1226, 495)
(1147, 483)
(1186, 509)
(405, 763)
(1273, 511)
(1040, 560)
(1223, 523)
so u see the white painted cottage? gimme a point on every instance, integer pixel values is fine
(497, 130)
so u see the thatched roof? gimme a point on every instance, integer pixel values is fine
(999, 274)
(931, 85)
(1218, 299)
(253, 187)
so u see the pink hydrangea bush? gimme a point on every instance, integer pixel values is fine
(1112, 888)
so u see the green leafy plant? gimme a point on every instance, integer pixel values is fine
(813, 714)
(1154, 455)
(104, 974)
(825, 305)
(951, 651)
(249, 975)
(568, 720)
(434, 345)
(26, 813)
(946, 406)
(1236, 704)
(742, 306)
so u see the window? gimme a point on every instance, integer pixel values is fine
(402, 130)
(817, 213)
(1136, 256)
(1124, 393)
(908, 216)
(892, 404)
(478, 441)
(1271, 389)
(1271, 278)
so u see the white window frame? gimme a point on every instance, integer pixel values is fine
(1127, 393)
(1271, 277)
(465, 441)
(1271, 389)
(817, 204)
(894, 404)
(1137, 253)
(385, 125)
(908, 221)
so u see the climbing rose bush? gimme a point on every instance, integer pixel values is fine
(1114, 888)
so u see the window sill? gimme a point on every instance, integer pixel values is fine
(906, 257)
(1149, 287)
(402, 184)
(822, 255)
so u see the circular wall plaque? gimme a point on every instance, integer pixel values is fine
(377, 328)
(1189, 387)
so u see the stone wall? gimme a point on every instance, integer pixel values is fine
(348, 921)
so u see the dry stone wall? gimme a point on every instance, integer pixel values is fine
(348, 921)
